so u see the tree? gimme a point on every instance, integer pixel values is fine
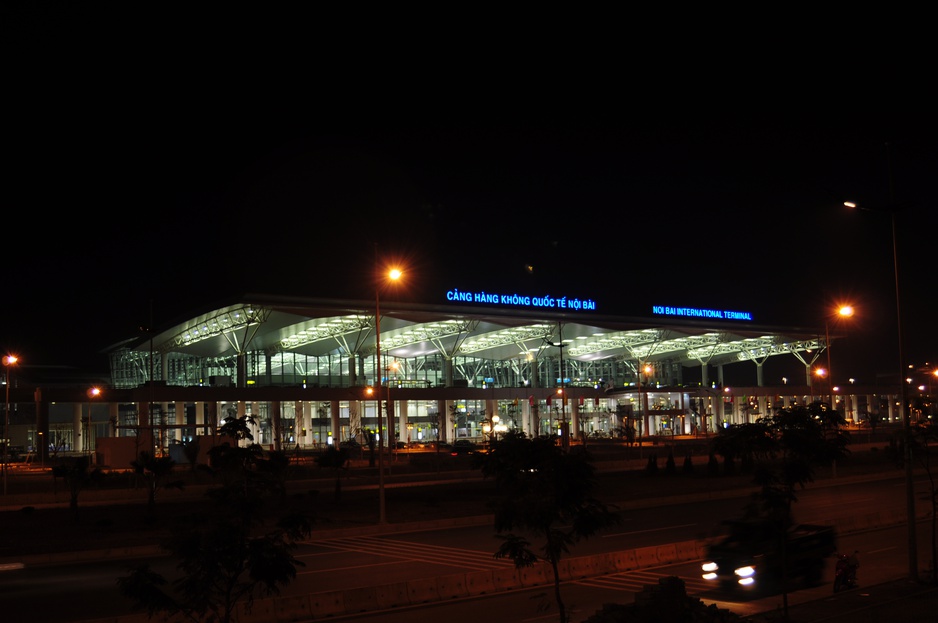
(544, 491)
(228, 553)
(786, 448)
(78, 473)
(156, 471)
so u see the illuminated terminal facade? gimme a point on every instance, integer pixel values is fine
(308, 373)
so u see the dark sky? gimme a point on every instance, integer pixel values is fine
(158, 167)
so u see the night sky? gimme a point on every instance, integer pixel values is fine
(153, 170)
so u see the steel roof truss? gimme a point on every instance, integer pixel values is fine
(223, 323)
(506, 337)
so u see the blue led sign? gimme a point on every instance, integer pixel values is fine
(696, 312)
(518, 300)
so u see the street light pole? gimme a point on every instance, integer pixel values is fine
(9, 361)
(903, 406)
(394, 275)
(382, 510)
(93, 393)
(830, 374)
(906, 418)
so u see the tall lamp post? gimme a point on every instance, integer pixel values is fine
(93, 393)
(9, 361)
(393, 274)
(906, 416)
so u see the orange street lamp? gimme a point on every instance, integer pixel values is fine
(93, 393)
(843, 311)
(9, 361)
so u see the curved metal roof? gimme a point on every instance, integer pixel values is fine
(318, 327)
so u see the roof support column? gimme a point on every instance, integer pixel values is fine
(575, 432)
(241, 380)
(179, 418)
(79, 442)
(211, 420)
(334, 409)
(448, 370)
(444, 421)
(450, 410)
(402, 421)
(354, 419)
(302, 426)
(526, 426)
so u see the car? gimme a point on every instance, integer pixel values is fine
(463, 446)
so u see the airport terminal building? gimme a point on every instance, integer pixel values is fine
(312, 372)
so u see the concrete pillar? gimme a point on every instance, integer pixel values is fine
(575, 432)
(402, 416)
(144, 430)
(449, 433)
(334, 424)
(759, 370)
(179, 419)
(200, 419)
(442, 421)
(78, 430)
(704, 375)
(211, 420)
(254, 410)
(355, 420)
(276, 426)
(448, 370)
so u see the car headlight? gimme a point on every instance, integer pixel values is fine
(745, 572)
(709, 566)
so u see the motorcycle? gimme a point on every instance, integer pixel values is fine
(845, 573)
